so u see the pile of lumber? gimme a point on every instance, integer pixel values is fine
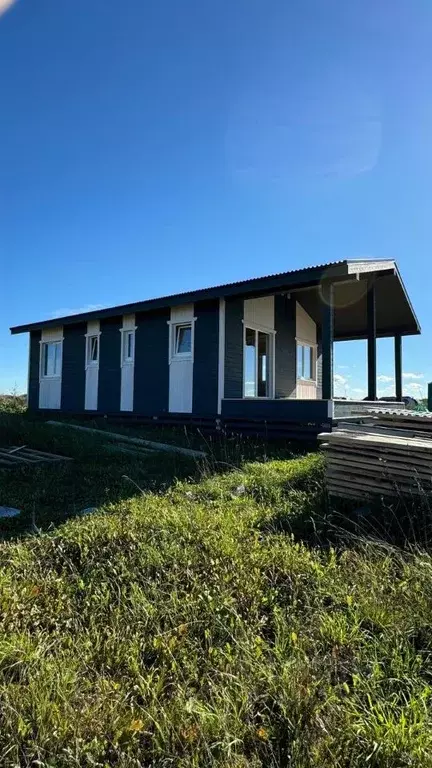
(21, 456)
(411, 421)
(361, 463)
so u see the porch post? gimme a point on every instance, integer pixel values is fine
(371, 340)
(327, 332)
(398, 366)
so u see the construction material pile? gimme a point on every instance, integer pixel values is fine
(372, 460)
(409, 421)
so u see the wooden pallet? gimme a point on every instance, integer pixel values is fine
(21, 456)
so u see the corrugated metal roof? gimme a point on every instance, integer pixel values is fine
(337, 269)
(401, 413)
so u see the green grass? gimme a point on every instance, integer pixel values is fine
(199, 626)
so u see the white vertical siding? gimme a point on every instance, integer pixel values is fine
(260, 312)
(306, 332)
(127, 370)
(50, 388)
(221, 358)
(92, 371)
(181, 371)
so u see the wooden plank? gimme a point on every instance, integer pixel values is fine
(408, 458)
(134, 440)
(390, 457)
(376, 485)
(365, 439)
(54, 456)
(382, 469)
(15, 458)
(371, 454)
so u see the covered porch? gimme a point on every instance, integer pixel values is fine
(363, 300)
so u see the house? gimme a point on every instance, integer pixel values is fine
(252, 352)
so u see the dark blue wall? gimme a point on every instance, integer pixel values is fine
(151, 382)
(206, 356)
(33, 393)
(109, 365)
(289, 410)
(234, 309)
(285, 347)
(73, 369)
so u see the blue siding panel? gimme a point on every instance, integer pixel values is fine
(151, 382)
(33, 391)
(109, 366)
(277, 410)
(73, 369)
(234, 312)
(285, 347)
(206, 358)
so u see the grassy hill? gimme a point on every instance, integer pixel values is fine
(226, 620)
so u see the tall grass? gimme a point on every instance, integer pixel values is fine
(192, 628)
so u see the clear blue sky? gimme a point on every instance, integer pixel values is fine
(149, 147)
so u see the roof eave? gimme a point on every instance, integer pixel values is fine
(285, 280)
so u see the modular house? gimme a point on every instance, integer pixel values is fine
(255, 351)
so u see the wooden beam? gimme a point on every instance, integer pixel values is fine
(371, 341)
(134, 440)
(327, 334)
(398, 366)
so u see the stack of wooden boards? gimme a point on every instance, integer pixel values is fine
(21, 456)
(410, 421)
(372, 459)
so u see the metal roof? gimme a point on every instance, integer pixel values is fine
(296, 278)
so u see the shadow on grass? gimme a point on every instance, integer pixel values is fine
(319, 521)
(48, 495)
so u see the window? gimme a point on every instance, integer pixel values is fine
(128, 341)
(92, 350)
(182, 340)
(51, 359)
(305, 362)
(257, 371)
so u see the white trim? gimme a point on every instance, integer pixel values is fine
(173, 325)
(92, 363)
(313, 348)
(221, 358)
(259, 327)
(272, 363)
(42, 375)
(28, 368)
(127, 360)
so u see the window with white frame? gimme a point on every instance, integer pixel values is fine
(181, 340)
(51, 359)
(128, 346)
(305, 361)
(92, 356)
(258, 360)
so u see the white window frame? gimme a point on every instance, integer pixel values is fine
(89, 362)
(272, 371)
(43, 344)
(125, 360)
(313, 348)
(174, 326)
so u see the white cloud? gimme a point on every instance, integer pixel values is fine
(343, 367)
(65, 311)
(413, 375)
(339, 379)
(385, 379)
(4, 5)
(414, 389)
(358, 391)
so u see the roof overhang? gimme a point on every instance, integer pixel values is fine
(395, 314)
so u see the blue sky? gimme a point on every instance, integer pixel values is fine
(151, 147)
